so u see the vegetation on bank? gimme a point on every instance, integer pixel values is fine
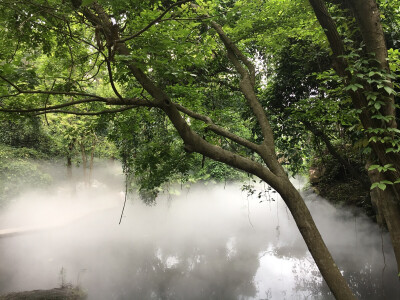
(63, 293)
(329, 179)
(20, 169)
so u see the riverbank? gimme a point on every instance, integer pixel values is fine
(64, 293)
(332, 182)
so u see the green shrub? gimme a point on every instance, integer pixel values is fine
(19, 170)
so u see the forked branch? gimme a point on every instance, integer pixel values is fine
(219, 130)
(247, 87)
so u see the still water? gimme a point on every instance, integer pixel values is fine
(204, 242)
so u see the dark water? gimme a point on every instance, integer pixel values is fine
(209, 242)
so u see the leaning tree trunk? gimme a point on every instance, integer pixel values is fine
(270, 171)
(314, 241)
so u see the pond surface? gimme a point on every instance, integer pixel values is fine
(208, 242)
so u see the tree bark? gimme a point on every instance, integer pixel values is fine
(84, 162)
(368, 20)
(69, 161)
(314, 242)
(388, 211)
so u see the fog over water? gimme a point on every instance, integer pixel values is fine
(208, 242)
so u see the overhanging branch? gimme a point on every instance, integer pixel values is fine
(29, 110)
(219, 130)
(192, 141)
(102, 112)
(131, 102)
(22, 91)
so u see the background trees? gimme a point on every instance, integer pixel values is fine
(244, 83)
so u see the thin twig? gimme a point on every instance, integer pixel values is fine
(156, 20)
(248, 211)
(126, 195)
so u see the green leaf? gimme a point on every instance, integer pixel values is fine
(389, 90)
(371, 96)
(389, 167)
(386, 182)
(382, 186)
(388, 150)
(375, 185)
(353, 87)
(373, 167)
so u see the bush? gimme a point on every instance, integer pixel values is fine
(19, 171)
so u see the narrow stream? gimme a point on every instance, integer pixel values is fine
(207, 242)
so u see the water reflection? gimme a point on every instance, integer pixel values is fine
(209, 242)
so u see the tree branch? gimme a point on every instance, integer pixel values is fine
(152, 22)
(134, 102)
(246, 85)
(230, 46)
(102, 112)
(247, 81)
(44, 109)
(328, 25)
(218, 129)
(192, 141)
(110, 76)
(21, 91)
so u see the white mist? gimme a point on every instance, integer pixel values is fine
(208, 242)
